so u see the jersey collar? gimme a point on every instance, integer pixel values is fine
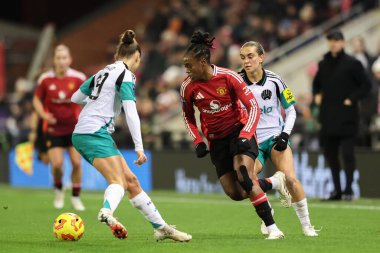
(261, 82)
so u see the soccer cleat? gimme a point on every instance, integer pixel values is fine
(59, 199)
(169, 231)
(275, 235)
(263, 227)
(310, 231)
(285, 197)
(77, 204)
(118, 230)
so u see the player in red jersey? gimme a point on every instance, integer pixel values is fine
(229, 129)
(52, 103)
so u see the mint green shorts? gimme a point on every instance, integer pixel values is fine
(265, 149)
(97, 145)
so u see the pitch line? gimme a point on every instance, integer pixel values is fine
(273, 202)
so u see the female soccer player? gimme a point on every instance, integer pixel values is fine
(229, 129)
(53, 105)
(272, 133)
(104, 94)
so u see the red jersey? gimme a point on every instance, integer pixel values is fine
(55, 94)
(218, 101)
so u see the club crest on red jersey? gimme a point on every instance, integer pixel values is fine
(221, 91)
(71, 86)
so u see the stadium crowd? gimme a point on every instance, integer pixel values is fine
(164, 39)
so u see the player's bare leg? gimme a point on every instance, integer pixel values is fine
(284, 162)
(76, 179)
(140, 200)
(111, 169)
(55, 155)
(242, 182)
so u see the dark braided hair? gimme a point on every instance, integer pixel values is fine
(127, 45)
(200, 44)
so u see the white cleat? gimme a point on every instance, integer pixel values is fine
(310, 231)
(285, 197)
(275, 235)
(169, 232)
(59, 199)
(105, 216)
(77, 204)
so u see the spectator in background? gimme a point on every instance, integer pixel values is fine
(52, 103)
(337, 87)
(376, 74)
(368, 106)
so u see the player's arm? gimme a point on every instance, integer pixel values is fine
(39, 107)
(287, 101)
(133, 120)
(84, 91)
(127, 94)
(317, 87)
(247, 98)
(361, 78)
(188, 114)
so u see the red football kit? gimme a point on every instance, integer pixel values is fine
(55, 94)
(218, 101)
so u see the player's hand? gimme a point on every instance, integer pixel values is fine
(281, 142)
(318, 99)
(201, 150)
(49, 118)
(347, 102)
(243, 144)
(141, 158)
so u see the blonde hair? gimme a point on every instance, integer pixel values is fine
(61, 47)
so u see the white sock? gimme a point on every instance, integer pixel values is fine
(272, 227)
(302, 212)
(145, 205)
(112, 196)
(275, 183)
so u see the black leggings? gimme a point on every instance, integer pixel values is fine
(331, 152)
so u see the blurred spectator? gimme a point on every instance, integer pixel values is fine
(368, 106)
(165, 35)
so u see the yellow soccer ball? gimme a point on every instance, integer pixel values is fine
(68, 227)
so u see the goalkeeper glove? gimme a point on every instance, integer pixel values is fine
(201, 150)
(282, 141)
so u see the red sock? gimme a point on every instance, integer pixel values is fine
(76, 190)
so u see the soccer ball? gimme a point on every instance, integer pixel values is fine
(68, 227)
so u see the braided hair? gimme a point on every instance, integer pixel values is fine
(127, 45)
(200, 44)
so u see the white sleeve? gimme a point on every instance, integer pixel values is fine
(290, 118)
(133, 122)
(78, 97)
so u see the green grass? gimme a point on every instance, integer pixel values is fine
(216, 223)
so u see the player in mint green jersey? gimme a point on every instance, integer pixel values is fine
(272, 131)
(104, 94)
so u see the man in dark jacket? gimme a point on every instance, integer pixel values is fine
(338, 85)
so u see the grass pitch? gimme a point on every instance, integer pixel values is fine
(216, 223)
